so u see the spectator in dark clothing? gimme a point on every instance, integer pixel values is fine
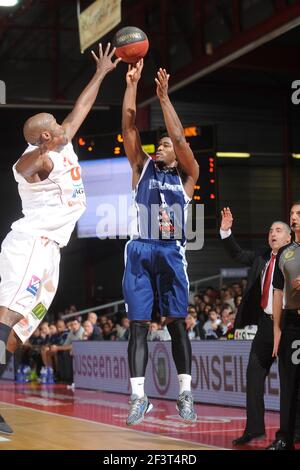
(193, 328)
(93, 318)
(107, 333)
(90, 332)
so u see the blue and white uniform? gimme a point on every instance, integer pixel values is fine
(155, 256)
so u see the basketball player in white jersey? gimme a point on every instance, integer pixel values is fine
(53, 199)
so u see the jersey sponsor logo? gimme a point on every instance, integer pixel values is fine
(79, 191)
(34, 285)
(76, 173)
(156, 184)
(166, 222)
(289, 254)
(39, 311)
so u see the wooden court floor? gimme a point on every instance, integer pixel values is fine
(56, 417)
(36, 429)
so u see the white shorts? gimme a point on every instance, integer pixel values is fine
(29, 271)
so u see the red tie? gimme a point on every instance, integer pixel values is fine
(267, 283)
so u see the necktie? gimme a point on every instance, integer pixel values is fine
(267, 283)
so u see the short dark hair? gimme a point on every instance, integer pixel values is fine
(162, 135)
(296, 203)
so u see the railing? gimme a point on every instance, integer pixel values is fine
(95, 309)
(194, 284)
(193, 287)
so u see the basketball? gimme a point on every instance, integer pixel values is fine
(131, 44)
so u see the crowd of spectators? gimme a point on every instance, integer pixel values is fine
(48, 353)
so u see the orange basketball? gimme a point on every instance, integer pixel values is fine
(131, 44)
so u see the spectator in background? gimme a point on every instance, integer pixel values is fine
(75, 334)
(48, 356)
(52, 330)
(227, 297)
(102, 320)
(197, 300)
(158, 333)
(212, 294)
(62, 332)
(226, 323)
(192, 310)
(107, 333)
(89, 332)
(212, 329)
(123, 329)
(44, 332)
(93, 318)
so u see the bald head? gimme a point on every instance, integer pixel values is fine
(36, 125)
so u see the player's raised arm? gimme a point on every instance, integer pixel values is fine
(185, 156)
(131, 136)
(87, 98)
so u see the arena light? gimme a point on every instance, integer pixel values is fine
(296, 155)
(8, 3)
(233, 155)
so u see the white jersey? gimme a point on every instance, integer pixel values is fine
(52, 207)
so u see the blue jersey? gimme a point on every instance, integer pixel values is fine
(161, 204)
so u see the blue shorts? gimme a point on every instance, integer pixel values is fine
(155, 266)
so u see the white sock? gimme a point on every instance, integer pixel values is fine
(137, 386)
(184, 383)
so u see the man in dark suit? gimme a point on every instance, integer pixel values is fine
(256, 309)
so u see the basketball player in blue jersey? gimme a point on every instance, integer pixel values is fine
(52, 194)
(155, 255)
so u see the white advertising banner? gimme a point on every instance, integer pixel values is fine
(218, 371)
(97, 20)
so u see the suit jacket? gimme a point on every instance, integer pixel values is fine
(249, 311)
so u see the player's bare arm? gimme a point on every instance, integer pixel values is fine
(131, 136)
(83, 105)
(35, 165)
(186, 160)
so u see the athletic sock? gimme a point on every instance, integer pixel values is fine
(137, 386)
(184, 383)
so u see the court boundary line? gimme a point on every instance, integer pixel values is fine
(117, 427)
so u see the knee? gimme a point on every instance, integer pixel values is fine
(13, 342)
(176, 326)
(138, 328)
(9, 317)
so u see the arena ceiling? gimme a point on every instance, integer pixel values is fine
(229, 42)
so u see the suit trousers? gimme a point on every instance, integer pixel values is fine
(259, 364)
